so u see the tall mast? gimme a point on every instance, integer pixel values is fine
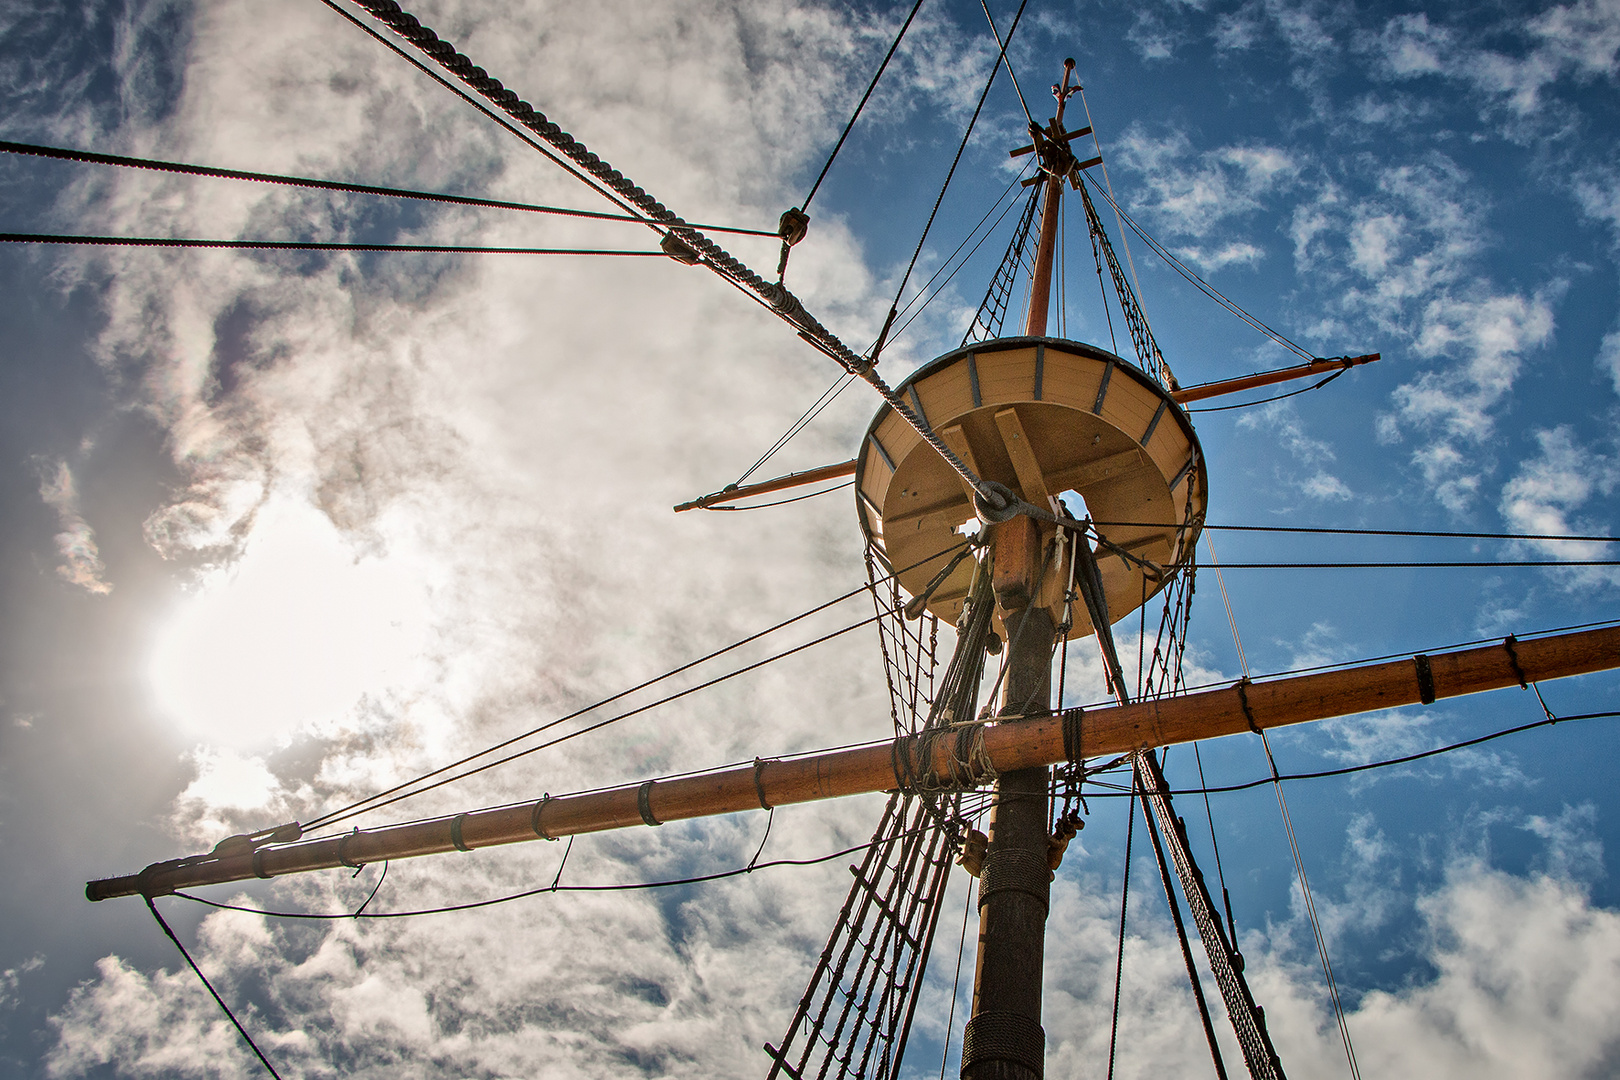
(1055, 160)
(1004, 1039)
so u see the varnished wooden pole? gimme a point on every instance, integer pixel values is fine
(1008, 746)
(1004, 1039)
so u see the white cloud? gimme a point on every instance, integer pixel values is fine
(76, 544)
(1608, 360)
(1579, 40)
(1190, 192)
(1411, 254)
(1546, 492)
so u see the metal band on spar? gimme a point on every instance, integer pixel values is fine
(1244, 706)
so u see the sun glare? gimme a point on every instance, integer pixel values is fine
(296, 631)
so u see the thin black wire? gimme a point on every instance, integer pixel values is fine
(1005, 59)
(1371, 532)
(1124, 907)
(929, 297)
(1269, 400)
(784, 502)
(332, 185)
(240, 1030)
(971, 234)
(372, 802)
(696, 879)
(345, 810)
(300, 245)
(382, 877)
(1415, 565)
(839, 385)
(1203, 286)
(1220, 874)
(864, 98)
(956, 983)
(966, 135)
(332, 819)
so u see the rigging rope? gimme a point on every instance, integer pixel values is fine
(636, 886)
(864, 98)
(1293, 843)
(894, 308)
(154, 165)
(1203, 286)
(229, 1015)
(1005, 59)
(1124, 906)
(302, 245)
(332, 819)
(371, 803)
(678, 233)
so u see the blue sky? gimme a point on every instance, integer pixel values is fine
(282, 529)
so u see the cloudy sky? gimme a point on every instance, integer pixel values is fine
(282, 529)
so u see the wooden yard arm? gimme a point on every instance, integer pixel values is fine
(1185, 394)
(1006, 746)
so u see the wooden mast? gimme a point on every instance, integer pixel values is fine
(1004, 1039)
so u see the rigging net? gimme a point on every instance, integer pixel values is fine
(992, 313)
(855, 1015)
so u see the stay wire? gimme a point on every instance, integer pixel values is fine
(1124, 907)
(1269, 400)
(950, 173)
(1011, 184)
(864, 98)
(371, 802)
(359, 805)
(1288, 829)
(303, 245)
(1199, 283)
(827, 396)
(334, 819)
(781, 502)
(226, 1009)
(182, 168)
(927, 297)
(1005, 59)
(1220, 874)
(473, 905)
(956, 983)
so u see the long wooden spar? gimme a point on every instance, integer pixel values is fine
(883, 766)
(1181, 396)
